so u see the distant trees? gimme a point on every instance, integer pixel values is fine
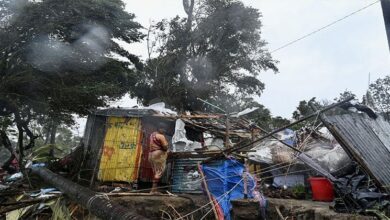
(215, 53)
(379, 94)
(57, 59)
(304, 108)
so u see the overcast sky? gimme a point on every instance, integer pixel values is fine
(322, 65)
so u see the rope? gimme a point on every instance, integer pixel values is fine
(93, 198)
(219, 198)
(266, 170)
(301, 147)
(232, 190)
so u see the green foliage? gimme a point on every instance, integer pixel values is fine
(278, 122)
(65, 140)
(57, 59)
(380, 94)
(299, 191)
(344, 95)
(54, 55)
(59, 209)
(216, 54)
(304, 109)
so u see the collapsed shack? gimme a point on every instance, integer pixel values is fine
(114, 152)
(116, 145)
(115, 148)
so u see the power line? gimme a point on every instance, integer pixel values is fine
(324, 27)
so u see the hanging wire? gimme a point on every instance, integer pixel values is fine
(201, 179)
(303, 143)
(219, 198)
(324, 27)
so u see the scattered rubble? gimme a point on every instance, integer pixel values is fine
(231, 166)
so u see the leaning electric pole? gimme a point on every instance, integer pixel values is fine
(386, 17)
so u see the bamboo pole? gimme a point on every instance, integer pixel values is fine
(207, 190)
(270, 134)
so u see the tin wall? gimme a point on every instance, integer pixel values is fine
(186, 177)
(93, 142)
(367, 140)
(122, 150)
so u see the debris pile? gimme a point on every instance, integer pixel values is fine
(217, 157)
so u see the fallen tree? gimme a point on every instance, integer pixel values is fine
(97, 204)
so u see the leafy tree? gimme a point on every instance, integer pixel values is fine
(344, 95)
(380, 94)
(65, 140)
(304, 109)
(278, 122)
(57, 58)
(215, 53)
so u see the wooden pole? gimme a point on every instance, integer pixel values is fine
(227, 133)
(233, 149)
(207, 190)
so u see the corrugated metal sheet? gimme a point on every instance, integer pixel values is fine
(215, 123)
(183, 180)
(122, 150)
(122, 112)
(88, 131)
(367, 140)
(94, 141)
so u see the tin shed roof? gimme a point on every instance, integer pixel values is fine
(367, 140)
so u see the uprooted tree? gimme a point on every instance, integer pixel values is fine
(215, 53)
(57, 59)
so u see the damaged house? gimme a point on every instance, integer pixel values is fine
(116, 145)
(118, 138)
(231, 167)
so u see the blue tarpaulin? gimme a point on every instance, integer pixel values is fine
(225, 182)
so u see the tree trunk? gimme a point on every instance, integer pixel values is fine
(47, 135)
(20, 146)
(4, 140)
(53, 132)
(95, 203)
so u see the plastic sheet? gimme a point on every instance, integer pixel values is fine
(288, 180)
(359, 195)
(332, 160)
(245, 111)
(224, 181)
(160, 107)
(180, 143)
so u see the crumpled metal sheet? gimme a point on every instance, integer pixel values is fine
(366, 140)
